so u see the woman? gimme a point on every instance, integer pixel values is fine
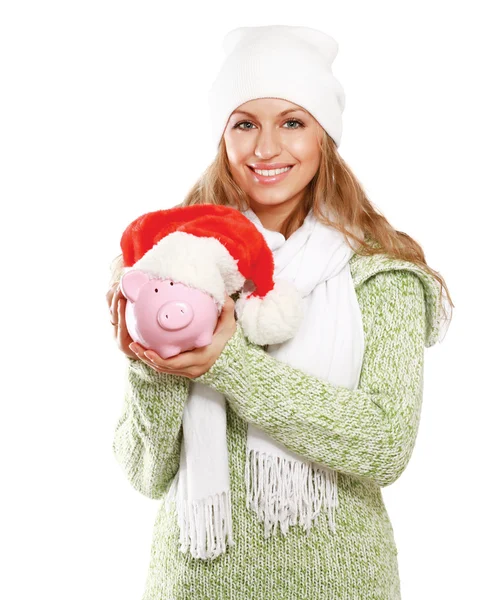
(345, 417)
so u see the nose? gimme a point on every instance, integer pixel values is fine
(267, 144)
(175, 315)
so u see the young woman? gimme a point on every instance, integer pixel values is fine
(336, 416)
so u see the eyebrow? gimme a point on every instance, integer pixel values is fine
(280, 115)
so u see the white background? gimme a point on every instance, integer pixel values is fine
(104, 117)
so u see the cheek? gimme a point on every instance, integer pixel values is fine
(237, 156)
(238, 163)
(305, 149)
(239, 148)
(309, 165)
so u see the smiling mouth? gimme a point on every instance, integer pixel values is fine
(270, 179)
(281, 171)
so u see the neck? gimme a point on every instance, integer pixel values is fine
(272, 217)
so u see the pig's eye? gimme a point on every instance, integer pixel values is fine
(155, 290)
(172, 283)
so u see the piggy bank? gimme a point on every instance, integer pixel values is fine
(166, 316)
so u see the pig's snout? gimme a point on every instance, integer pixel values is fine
(175, 315)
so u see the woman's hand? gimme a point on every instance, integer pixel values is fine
(117, 307)
(193, 363)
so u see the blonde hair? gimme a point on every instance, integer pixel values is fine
(334, 184)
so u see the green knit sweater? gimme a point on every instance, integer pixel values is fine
(367, 435)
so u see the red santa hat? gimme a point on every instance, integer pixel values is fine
(217, 249)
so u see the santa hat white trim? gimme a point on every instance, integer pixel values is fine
(199, 262)
(206, 264)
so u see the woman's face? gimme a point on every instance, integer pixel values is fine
(270, 133)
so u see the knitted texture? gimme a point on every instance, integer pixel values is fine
(367, 435)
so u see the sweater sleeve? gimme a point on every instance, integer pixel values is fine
(368, 432)
(148, 435)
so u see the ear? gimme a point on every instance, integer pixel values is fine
(132, 282)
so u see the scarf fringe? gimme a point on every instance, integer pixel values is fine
(204, 524)
(282, 491)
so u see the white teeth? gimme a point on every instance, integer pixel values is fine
(273, 172)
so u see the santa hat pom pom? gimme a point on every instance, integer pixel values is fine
(272, 319)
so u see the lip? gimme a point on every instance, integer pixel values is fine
(270, 180)
(269, 166)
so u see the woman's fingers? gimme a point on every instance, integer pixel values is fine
(115, 305)
(154, 360)
(117, 309)
(114, 309)
(124, 339)
(111, 299)
(109, 295)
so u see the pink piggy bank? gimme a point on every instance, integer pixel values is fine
(166, 316)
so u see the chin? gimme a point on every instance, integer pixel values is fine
(270, 201)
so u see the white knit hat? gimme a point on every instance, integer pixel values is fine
(278, 61)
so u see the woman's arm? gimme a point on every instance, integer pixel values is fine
(368, 432)
(147, 437)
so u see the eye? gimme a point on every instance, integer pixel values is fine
(172, 283)
(155, 290)
(294, 121)
(237, 126)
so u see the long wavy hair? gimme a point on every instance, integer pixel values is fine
(334, 184)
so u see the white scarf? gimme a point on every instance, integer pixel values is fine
(329, 345)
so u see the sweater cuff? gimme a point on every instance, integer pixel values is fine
(142, 370)
(147, 374)
(228, 371)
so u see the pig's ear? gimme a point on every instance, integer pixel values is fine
(131, 283)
